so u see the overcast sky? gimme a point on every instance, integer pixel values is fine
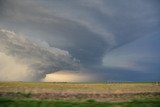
(108, 40)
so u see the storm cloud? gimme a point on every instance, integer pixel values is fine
(89, 30)
(28, 60)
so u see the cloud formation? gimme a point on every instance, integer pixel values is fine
(87, 29)
(23, 59)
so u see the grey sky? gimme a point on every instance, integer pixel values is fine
(107, 37)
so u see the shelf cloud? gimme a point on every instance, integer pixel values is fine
(85, 33)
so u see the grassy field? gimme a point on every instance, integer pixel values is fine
(88, 103)
(29, 94)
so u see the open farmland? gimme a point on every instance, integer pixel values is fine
(106, 93)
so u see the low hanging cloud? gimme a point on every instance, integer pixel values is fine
(70, 76)
(24, 60)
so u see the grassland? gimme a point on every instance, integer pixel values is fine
(29, 94)
(88, 103)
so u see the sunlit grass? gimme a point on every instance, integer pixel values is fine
(78, 87)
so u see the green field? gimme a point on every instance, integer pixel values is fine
(88, 103)
(29, 94)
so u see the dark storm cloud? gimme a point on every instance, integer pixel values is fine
(88, 29)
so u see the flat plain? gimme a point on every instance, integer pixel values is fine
(13, 94)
